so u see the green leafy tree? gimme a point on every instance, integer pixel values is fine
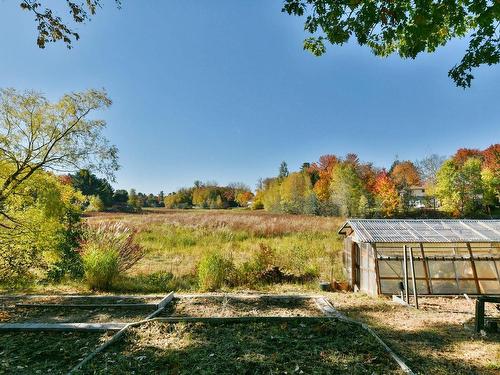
(46, 213)
(89, 184)
(491, 188)
(52, 28)
(405, 27)
(271, 198)
(459, 187)
(346, 189)
(95, 204)
(133, 199)
(120, 196)
(364, 206)
(283, 173)
(36, 135)
(293, 192)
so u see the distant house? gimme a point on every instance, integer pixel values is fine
(449, 256)
(418, 197)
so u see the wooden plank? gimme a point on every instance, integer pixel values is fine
(426, 269)
(167, 299)
(413, 281)
(88, 306)
(83, 296)
(104, 346)
(66, 327)
(479, 321)
(163, 303)
(405, 275)
(474, 271)
(238, 319)
(247, 295)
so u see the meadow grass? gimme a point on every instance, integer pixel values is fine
(175, 242)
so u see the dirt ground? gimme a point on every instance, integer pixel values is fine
(10, 313)
(438, 338)
(28, 353)
(319, 347)
(229, 306)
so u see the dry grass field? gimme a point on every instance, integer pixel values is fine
(176, 240)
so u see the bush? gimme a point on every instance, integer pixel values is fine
(101, 266)
(108, 250)
(95, 204)
(215, 270)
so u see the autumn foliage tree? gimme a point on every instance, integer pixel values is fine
(386, 193)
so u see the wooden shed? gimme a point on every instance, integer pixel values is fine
(449, 256)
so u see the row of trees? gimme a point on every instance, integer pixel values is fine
(466, 184)
(210, 195)
(100, 195)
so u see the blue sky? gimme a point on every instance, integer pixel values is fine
(222, 90)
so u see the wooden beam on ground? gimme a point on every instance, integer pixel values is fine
(82, 296)
(340, 316)
(162, 304)
(64, 327)
(247, 295)
(238, 319)
(88, 305)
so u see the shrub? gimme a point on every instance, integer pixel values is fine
(108, 250)
(101, 266)
(215, 270)
(95, 204)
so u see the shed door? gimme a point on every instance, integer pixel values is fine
(356, 260)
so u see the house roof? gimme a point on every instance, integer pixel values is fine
(391, 231)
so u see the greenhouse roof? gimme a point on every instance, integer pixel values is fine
(396, 230)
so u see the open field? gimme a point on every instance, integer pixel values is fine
(176, 240)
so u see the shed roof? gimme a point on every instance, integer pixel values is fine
(375, 230)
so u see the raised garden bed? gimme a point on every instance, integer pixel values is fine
(230, 306)
(45, 352)
(92, 310)
(301, 347)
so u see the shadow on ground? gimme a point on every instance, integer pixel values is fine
(432, 342)
(328, 347)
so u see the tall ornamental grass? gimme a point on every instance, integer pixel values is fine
(108, 250)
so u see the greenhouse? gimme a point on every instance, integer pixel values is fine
(446, 256)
